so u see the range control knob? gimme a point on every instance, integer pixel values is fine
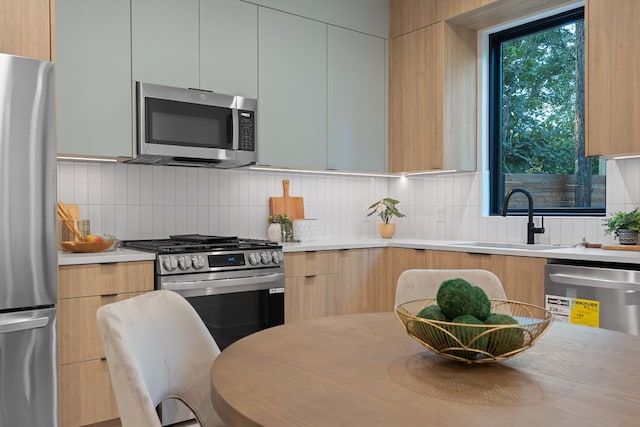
(184, 263)
(197, 261)
(169, 263)
(276, 257)
(265, 257)
(254, 258)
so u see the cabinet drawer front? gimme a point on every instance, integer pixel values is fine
(311, 297)
(78, 337)
(311, 263)
(86, 396)
(101, 279)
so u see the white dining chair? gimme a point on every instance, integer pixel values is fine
(157, 347)
(423, 283)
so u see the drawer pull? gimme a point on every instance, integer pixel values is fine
(310, 276)
(103, 359)
(108, 295)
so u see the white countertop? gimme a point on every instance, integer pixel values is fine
(119, 255)
(577, 253)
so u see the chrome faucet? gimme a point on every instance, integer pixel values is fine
(531, 227)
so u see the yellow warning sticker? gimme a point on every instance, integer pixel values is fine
(585, 312)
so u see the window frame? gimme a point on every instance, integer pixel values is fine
(496, 183)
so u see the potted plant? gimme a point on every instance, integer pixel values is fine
(625, 226)
(279, 229)
(386, 209)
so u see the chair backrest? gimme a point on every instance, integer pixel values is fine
(416, 284)
(157, 347)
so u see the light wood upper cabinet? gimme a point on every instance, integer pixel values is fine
(409, 15)
(432, 92)
(612, 75)
(25, 28)
(93, 78)
(415, 100)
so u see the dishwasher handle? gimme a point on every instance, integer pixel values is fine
(575, 280)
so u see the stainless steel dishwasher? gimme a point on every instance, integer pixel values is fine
(604, 295)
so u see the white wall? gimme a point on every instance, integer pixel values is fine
(136, 201)
(450, 207)
(139, 201)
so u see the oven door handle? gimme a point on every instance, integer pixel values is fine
(223, 286)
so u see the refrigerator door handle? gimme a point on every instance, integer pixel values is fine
(23, 324)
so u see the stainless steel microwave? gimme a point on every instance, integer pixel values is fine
(194, 127)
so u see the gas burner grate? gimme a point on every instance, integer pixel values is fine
(197, 243)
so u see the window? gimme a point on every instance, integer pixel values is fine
(536, 113)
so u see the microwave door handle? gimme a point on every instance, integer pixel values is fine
(235, 120)
(223, 284)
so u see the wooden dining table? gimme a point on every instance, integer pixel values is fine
(364, 370)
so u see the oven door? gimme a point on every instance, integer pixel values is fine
(232, 305)
(235, 304)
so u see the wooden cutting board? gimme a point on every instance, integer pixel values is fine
(621, 247)
(293, 207)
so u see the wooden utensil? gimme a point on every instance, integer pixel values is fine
(293, 207)
(74, 211)
(68, 220)
(621, 247)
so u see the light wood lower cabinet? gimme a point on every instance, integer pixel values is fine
(311, 297)
(522, 277)
(364, 281)
(85, 394)
(311, 285)
(326, 283)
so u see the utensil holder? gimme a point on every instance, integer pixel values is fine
(84, 225)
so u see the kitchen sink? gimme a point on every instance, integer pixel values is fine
(501, 245)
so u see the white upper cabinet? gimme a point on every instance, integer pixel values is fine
(356, 100)
(292, 98)
(229, 47)
(365, 16)
(93, 78)
(165, 42)
(205, 44)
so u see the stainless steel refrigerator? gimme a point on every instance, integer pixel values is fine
(28, 254)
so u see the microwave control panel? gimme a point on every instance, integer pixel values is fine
(246, 130)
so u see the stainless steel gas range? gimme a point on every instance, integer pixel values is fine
(235, 285)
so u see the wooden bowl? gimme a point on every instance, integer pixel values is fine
(471, 343)
(76, 246)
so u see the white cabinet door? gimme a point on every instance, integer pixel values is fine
(292, 91)
(93, 77)
(229, 47)
(356, 101)
(165, 42)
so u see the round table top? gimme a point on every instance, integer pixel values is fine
(364, 369)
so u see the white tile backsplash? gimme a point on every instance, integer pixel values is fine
(140, 201)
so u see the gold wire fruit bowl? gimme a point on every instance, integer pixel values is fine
(471, 343)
